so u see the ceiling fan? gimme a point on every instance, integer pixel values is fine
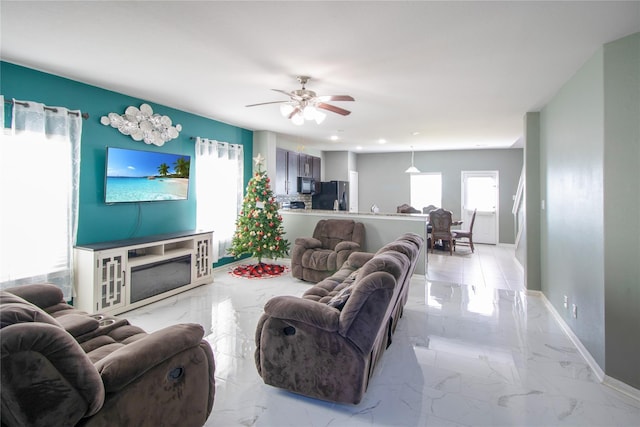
(304, 104)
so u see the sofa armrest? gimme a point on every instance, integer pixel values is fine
(308, 242)
(346, 246)
(48, 376)
(42, 295)
(309, 312)
(358, 259)
(132, 361)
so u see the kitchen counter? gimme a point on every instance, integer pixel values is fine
(422, 217)
(381, 228)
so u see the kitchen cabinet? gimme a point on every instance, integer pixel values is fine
(289, 166)
(316, 172)
(309, 166)
(286, 172)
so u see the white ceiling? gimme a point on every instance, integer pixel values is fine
(460, 74)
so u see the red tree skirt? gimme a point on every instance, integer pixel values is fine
(259, 271)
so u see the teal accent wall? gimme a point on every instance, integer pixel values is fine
(98, 221)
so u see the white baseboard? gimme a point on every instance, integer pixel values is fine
(597, 370)
(623, 388)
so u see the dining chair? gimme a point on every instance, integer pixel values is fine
(440, 221)
(427, 209)
(465, 234)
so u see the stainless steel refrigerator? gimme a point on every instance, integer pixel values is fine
(327, 193)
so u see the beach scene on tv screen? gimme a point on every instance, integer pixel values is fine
(145, 176)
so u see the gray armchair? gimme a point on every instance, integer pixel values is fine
(315, 258)
(64, 367)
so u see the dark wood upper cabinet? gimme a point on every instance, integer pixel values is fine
(289, 166)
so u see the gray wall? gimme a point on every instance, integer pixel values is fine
(571, 223)
(622, 208)
(590, 182)
(384, 182)
(531, 203)
(336, 165)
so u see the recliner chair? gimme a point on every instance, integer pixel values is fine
(64, 367)
(316, 258)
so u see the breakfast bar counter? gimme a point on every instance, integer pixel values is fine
(381, 228)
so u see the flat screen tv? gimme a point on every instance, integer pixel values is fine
(145, 176)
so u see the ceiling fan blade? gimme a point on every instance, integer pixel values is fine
(293, 113)
(289, 94)
(333, 108)
(265, 103)
(325, 98)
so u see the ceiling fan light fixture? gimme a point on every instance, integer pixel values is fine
(412, 168)
(319, 117)
(309, 112)
(298, 119)
(286, 109)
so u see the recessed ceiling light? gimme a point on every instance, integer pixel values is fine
(334, 137)
(382, 141)
(359, 147)
(415, 133)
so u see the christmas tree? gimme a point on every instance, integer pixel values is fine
(259, 226)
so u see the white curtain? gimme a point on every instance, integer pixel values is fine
(39, 185)
(219, 190)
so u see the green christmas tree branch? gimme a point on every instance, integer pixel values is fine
(259, 229)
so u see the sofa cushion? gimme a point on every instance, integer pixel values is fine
(23, 312)
(340, 299)
(320, 259)
(42, 295)
(78, 324)
(392, 262)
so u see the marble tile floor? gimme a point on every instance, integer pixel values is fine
(462, 355)
(490, 266)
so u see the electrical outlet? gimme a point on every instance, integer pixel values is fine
(566, 301)
(574, 310)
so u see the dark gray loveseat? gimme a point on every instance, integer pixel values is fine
(63, 367)
(326, 344)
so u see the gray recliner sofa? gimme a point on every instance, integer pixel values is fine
(63, 367)
(317, 257)
(327, 343)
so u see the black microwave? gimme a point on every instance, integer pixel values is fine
(306, 185)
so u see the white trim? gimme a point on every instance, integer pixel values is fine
(599, 373)
(621, 387)
(597, 370)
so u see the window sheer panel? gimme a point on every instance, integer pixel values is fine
(41, 190)
(219, 190)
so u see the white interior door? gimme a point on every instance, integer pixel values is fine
(353, 191)
(480, 190)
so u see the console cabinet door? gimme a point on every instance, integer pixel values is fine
(202, 267)
(110, 280)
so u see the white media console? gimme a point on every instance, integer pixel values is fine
(113, 277)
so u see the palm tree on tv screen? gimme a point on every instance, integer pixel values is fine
(181, 167)
(163, 169)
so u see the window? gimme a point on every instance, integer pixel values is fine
(219, 190)
(426, 189)
(39, 193)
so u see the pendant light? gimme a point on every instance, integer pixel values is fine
(412, 168)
